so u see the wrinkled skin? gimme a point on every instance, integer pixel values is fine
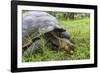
(60, 40)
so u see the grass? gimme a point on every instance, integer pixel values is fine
(80, 35)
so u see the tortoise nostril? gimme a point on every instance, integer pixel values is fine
(72, 46)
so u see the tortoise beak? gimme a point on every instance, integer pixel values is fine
(66, 44)
(72, 46)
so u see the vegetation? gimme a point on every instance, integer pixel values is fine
(79, 28)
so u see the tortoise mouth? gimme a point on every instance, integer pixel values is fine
(66, 44)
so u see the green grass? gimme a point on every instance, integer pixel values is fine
(80, 36)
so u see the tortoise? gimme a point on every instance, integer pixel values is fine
(36, 24)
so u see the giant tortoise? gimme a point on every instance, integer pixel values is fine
(37, 24)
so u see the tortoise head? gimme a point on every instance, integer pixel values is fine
(66, 45)
(61, 39)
